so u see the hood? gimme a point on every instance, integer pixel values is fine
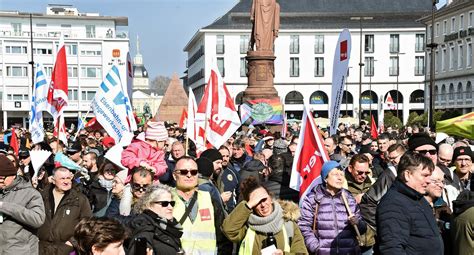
(291, 211)
(464, 201)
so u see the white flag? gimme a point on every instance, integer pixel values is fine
(110, 106)
(39, 103)
(191, 127)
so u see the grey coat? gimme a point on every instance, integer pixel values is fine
(23, 213)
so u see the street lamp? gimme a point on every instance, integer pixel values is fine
(432, 46)
(398, 74)
(371, 73)
(361, 64)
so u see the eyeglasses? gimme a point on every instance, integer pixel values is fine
(362, 172)
(138, 187)
(165, 203)
(347, 144)
(423, 152)
(185, 172)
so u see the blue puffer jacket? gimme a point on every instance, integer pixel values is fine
(334, 233)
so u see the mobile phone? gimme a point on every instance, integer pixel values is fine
(140, 246)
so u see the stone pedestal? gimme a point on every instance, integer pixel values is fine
(261, 72)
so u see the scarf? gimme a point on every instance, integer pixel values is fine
(171, 227)
(270, 224)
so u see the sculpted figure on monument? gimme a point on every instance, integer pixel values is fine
(265, 17)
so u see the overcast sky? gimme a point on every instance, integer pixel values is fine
(164, 26)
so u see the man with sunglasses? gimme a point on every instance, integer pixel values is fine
(21, 211)
(422, 143)
(358, 181)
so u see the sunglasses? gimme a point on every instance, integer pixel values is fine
(138, 187)
(185, 172)
(165, 203)
(423, 152)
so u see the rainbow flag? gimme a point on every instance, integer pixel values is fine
(262, 111)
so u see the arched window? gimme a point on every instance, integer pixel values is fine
(468, 90)
(436, 93)
(451, 92)
(318, 97)
(443, 93)
(369, 97)
(418, 96)
(294, 97)
(393, 94)
(347, 95)
(459, 91)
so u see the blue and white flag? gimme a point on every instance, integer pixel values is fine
(39, 103)
(110, 106)
(80, 123)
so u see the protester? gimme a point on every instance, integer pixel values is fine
(228, 180)
(357, 175)
(462, 227)
(325, 222)
(155, 222)
(405, 220)
(258, 222)
(22, 211)
(99, 236)
(462, 158)
(239, 157)
(100, 191)
(65, 206)
(176, 152)
(89, 162)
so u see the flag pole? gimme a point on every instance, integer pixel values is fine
(187, 144)
(83, 121)
(350, 214)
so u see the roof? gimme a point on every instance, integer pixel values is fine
(119, 20)
(139, 71)
(327, 14)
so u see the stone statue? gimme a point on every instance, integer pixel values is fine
(265, 17)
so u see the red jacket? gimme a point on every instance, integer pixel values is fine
(139, 151)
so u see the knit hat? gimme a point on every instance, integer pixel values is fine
(156, 131)
(420, 139)
(74, 148)
(327, 167)
(205, 167)
(211, 154)
(108, 142)
(6, 166)
(461, 151)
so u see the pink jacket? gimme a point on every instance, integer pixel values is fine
(139, 151)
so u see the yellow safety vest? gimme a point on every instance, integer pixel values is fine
(246, 247)
(198, 237)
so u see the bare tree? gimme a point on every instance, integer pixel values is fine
(159, 84)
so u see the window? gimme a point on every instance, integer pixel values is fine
(419, 65)
(41, 25)
(461, 22)
(87, 95)
(72, 94)
(436, 61)
(319, 44)
(16, 49)
(17, 71)
(71, 49)
(453, 24)
(445, 27)
(220, 44)
(443, 60)
(369, 66)
(91, 72)
(437, 30)
(294, 44)
(220, 66)
(451, 92)
(90, 31)
(451, 58)
(244, 44)
(294, 67)
(428, 71)
(48, 70)
(459, 92)
(420, 43)
(243, 67)
(91, 52)
(72, 71)
(394, 43)
(16, 27)
(319, 67)
(469, 55)
(460, 56)
(471, 19)
(369, 43)
(393, 70)
(66, 25)
(430, 29)
(42, 51)
(17, 97)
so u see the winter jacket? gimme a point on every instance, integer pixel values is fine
(238, 163)
(23, 213)
(462, 227)
(235, 227)
(406, 223)
(162, 239)
(114, 212)
(354, 187)
(370, 200)
(99, 198)
(59, 225)
(139, 151)
(252, 168)
(335, 235)
(229, 180)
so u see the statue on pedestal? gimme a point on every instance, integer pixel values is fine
(265, 17)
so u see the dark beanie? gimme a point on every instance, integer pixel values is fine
(6, 166)
(420, 139)
(211, 154)
(205, 167)
(461, 151)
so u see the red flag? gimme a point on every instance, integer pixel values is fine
(60, 130)
(14, 142)
(373, 128)
(183, 119)
(389, 102)
(310, 156)
(58, 89)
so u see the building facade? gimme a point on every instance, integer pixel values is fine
(393, 54)
(453, 56)
(93, 44)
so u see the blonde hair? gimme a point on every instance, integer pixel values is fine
(151, 194)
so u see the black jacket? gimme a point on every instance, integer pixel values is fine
(99, 198)
(163, 238)
(406, 224)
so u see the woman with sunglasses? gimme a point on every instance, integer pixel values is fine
(155, 224)
(258, 223)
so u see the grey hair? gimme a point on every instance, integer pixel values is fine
(151, 194)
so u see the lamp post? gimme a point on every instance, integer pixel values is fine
(398, 74)
(361, 64)
(371, 73)
(432, 46)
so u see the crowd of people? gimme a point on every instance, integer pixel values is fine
(404, 192)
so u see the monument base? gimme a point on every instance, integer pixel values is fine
(261, 72)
